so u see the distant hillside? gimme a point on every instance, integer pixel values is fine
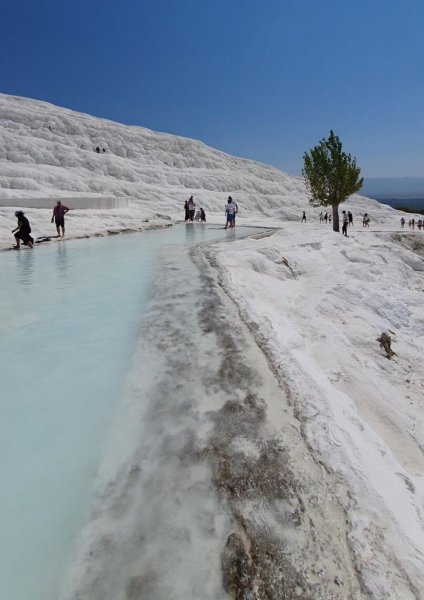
(394, 188)
(408, 204)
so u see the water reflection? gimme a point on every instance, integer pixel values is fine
(201, 230)
(190, 231)
(25, 267)
(195, 231)
(62, 262)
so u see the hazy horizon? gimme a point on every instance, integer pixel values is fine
(394, 187)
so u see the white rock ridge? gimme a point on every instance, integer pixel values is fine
(47, 151)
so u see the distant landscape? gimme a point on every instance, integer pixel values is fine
(414, 205)
(400, 192)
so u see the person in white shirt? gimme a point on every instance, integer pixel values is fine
(230, 211)
(191, 208)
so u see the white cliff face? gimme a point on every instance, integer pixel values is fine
(47, 151)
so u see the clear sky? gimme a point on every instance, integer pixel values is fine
(262, 79)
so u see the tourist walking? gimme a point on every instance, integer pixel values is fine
(366, 220)
(345, 223)
(326, 218)
(235, 212)
(22, 231)
(202, 216)
(350, 216)
(321, 217)
(303, 219)
(58, 216)
(186, 215)
(402, 222)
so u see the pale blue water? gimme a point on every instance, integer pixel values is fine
(70, 314)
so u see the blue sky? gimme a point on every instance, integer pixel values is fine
(263, 79)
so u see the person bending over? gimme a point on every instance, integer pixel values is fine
(22, 231)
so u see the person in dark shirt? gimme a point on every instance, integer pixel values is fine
(22, 231)
(345, 223)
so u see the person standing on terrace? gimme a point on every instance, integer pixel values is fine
(58, 216)
(191, 208)
(230, 211)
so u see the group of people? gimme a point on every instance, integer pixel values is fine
(347, 220)
(324, 218)
(190, 211)
(22, 232)
(190, 214)
(411, 223)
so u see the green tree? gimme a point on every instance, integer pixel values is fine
(331, 175)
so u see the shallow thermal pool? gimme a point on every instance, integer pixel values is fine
(70, 316)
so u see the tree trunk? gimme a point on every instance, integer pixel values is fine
(335, 217)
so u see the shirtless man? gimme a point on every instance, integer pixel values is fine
(58, 216)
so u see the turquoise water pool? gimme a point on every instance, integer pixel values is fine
(70, 316)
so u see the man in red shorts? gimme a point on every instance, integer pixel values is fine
(59, 212)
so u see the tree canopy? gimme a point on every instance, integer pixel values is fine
(331, 175)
